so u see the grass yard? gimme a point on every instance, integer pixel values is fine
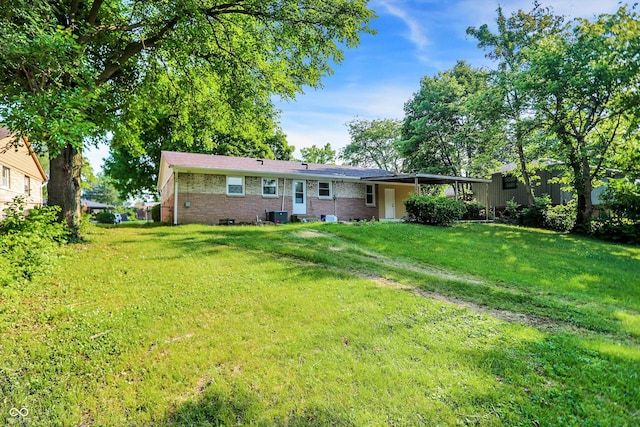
(326, 324)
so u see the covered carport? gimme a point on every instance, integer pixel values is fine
(419, 179)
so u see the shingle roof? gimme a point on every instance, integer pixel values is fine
(187, 161)
(94, 205)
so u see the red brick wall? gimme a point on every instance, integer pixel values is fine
(211, 208)
(208, 203)
(344, 208)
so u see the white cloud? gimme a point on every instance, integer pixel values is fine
(417, 34)
(321, 117)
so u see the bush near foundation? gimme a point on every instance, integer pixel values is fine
(541, 215)
(29, 242)
(433, 210)
(474, 210)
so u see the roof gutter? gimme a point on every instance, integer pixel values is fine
(417, 176)
(267, 173)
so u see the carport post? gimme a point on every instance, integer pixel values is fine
(417, 191)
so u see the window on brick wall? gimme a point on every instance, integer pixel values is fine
(6, 172)
(269, 187)
(370, 198)
(235, 185)
(324, 189)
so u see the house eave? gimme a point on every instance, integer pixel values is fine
(301, 176)
(425, 178)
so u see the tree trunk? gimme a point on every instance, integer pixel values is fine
(525, 175)
(64, 186)
(583, 186)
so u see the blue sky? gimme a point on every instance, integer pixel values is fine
(415, 38)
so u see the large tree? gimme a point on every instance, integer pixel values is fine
(374, 143)
(67, 66)
(320, 155)
(506, 101)
(584, 81)
(173, 112)
(440, 133)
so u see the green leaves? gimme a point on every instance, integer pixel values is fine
(374, 143)
(434, 210)
(29, 242)
(70, 72)
(580, 79)
(320, 155)
(441, 132)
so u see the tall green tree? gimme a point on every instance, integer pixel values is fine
(439, 132)
(374, 143)
(321, 155)
(102, 190)
(584, 81)
(174, 112)
(506, 102)
(67, 66)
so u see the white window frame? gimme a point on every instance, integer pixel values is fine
(27, 185)
(330, 196)
(373, 195)
(275, 195)
(231, 177)
(6, 177)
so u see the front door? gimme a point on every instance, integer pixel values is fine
(389, 203)
(299, 197)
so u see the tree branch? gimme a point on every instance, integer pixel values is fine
(73, 11)
(132, 49)
(93, 13)
(608, 143)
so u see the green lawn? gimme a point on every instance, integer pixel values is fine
(326, 324)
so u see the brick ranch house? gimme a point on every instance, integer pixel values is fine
(211, 189)
(21, 172)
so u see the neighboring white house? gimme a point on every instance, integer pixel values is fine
(21, 173)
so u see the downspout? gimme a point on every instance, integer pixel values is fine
(335, 200)
(455, 190)
(175, 198)
(417, 189)
(284, 190)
